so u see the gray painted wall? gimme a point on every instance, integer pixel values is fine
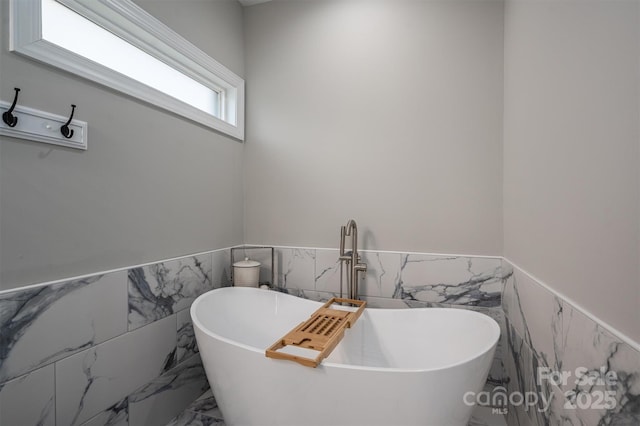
(395, 120)
(389, 112)
(571, 152)
(151, 186)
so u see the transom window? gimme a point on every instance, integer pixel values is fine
(127, 49)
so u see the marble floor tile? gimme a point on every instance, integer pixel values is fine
(190, 418)
(206, 405)
(203, 411)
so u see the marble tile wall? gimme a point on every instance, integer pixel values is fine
(404, 280)
(395, 279)
(572, 370)
(543, 336)
(119, 348)
(110, 349)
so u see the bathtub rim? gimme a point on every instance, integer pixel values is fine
(484, 350)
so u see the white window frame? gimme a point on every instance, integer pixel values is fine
(131, 23)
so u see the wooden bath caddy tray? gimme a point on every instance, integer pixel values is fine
(321, 332)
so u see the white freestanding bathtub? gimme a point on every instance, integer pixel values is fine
(394, 367)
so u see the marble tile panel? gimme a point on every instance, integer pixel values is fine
(382, 275)
(497, 373)
(116, 415)
(529, 399)
(388, 303)
(190, 418)
(506, 271)
(164, 397)
(221, 268)
(29, 399)
(327, 272)
(296, 268)
(186, 346)
(473, 281)
(317, 296)
(161, 289)
(556, 410)
(89, 310)
(93, 380)
(602, 384)
(536, 315)
(203, 411)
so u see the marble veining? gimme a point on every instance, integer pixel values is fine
(29, 399)
(116, 415)
(522, 366)
(159, 290)
(173, 379)
(186, 345)
(221, 268)
(598, 354)
(203, 411)
(191, 418)
(89, 310)
(87, 364)
(89, 382)
(563, 357)
(536, 316)
(98, 373)
(20, 310)
(450, 280)
(382, 275)
(161, 399)
(296, 267)
(327, 271)
(110, 349)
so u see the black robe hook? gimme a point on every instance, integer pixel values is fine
(9, 119)
(65, 130)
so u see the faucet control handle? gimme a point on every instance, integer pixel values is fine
(361, 267)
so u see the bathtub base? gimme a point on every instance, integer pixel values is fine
(401, 367)
(331, 396)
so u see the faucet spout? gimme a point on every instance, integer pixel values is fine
(351, 258)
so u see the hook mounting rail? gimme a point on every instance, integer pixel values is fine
(41, 126)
